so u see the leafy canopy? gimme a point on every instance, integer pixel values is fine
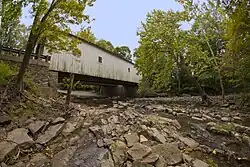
(52, 22)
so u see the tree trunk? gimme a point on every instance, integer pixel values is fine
(184, 68)
(28, 51)
(203, 94)
(179, 80)
(222, 87)
(70, 87)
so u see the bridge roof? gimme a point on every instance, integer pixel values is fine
(101, 48)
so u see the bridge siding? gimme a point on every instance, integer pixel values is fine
(112, 67)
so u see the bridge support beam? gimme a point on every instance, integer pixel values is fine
(120, 90)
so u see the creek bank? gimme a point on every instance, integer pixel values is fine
(138, 132)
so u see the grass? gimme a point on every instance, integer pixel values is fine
(229, 127)
(23, 109)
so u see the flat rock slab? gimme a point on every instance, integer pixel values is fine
(6, 148)
(62, 158)
(158, 136)
(199, 163)
(50, 133)
(106, 160)
(20, 136)
(118, 151)
(58, 120)
(39, 160)
(36, 127)
(151, 158)
(189, 142)
(131, 139)
(143, 139)
(87, 154)
(139, 151)
(169, 153)
(140, 164)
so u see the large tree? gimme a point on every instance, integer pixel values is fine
(165, 50)
(51, 25)
(208, 28)
(87, 34)
(238, 36)
(105, 44)
(12, 32)
(124, 52)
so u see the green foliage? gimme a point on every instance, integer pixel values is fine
(214, 50)
(124, 52)
(165, 48)
(105, 44)
(24, 109)
(30, 85)
(211, 163)
(5, 73)
(87, 34)
(12, 32)
(67, 81)
(238, 36)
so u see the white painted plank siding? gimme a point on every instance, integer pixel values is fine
(112, 67)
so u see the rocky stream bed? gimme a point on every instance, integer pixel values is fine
(151, 132)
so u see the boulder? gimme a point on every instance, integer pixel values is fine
(143, 139)
(139, 151)
(169, 153)
(50, 134)
(158, 136)
(58, 120)
(62, 158)
(189, 142)
(160, 162)
(118, 151)
(106, 160)
(36, 127)
(107, 142)
(70, 127)
(100, 143)
(38, 160)
(113, 119)
(236, 118)
(225, 119)
(131, 139)
(6, 149)
(104, 121)
(20, 136)
(187, 158)
(95, 129)
(128, 164)
(151, 158)
(199, 163)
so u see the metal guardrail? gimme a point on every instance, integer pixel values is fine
(21, 52)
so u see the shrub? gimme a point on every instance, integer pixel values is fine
(5, 73)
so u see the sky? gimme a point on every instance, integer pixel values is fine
(118, 20)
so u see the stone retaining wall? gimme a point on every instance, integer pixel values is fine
(38, 71)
